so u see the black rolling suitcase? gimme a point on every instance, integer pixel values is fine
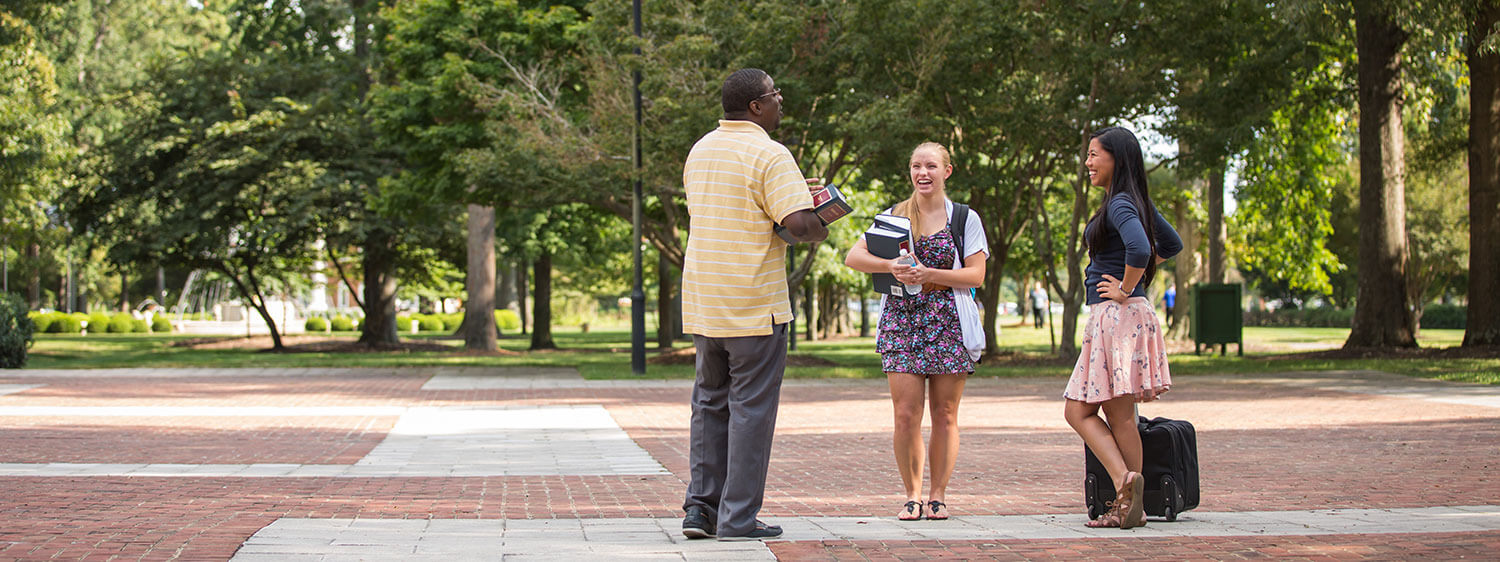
(1170, 466)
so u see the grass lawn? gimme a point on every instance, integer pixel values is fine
(606, 354)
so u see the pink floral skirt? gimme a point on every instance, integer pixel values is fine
(1122, 354)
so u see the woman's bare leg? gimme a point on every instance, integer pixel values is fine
(1097, 435)
(1120, 413)
(947, 390)
(907, 393)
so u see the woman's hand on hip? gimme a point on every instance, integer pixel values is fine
(1110, 289)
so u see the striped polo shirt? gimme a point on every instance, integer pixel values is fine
(739, 182)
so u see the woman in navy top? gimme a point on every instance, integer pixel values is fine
(1123, 358)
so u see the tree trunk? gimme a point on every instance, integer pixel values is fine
(124, 290)
(666, 321)
(379, 254)
(846, 321)
(864, 315)
(1382, 317)
(827, 310)
(505, 294)
(34, 287)
(541, 329)
(810, 303)
(1484, 182)
(1023, 299)
(989, 293)
(833, 319)
(250, 289)
(1185, 268)
(1073, 297)
(521, 291)
(338, 268)
(379, 261)
(1216, 232)
(478, 327)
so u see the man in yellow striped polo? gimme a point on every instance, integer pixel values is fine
(740, 183)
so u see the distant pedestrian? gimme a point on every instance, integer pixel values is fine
(740, 183)
(1038, 305)
(1123, 359)
(1169, 301)
(921, 339)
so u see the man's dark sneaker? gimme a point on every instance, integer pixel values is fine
(762, 531)
(697, 525)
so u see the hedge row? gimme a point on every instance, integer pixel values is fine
(1436, 316)
(1445, 316)
(507, 320)
(338, 323)
(1300, 318)
(98, 323)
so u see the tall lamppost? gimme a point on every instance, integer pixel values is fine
(637, 294)
(791, 291)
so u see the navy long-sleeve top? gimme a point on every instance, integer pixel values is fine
(1125, 243)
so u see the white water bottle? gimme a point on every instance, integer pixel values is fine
(909, 260)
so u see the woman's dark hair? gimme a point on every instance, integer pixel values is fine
(741, 88)
(1129, 178)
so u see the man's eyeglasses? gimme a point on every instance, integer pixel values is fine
(777, 91)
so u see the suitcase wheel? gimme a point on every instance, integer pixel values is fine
(1171, 497)
(1088, 496)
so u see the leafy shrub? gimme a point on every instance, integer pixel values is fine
(41, 321)
(160, 324)
(316, 324)
(98, 322)
(403, 323)
(429, 323)
(15, 331)
(1445, 316)
(451, 322)
(118, 324)
(139, 326)
(341, 323)
(508, 320)
(1322, 317)
(65, 324)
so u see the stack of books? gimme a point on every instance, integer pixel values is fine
(828, 203)
(888, 238)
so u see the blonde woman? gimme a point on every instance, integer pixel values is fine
(920, 341)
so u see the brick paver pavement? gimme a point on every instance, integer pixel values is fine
(1266, 443)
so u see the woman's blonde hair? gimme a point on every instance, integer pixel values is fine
(908, 208)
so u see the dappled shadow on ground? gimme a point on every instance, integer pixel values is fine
(688, 355)
(1474, 352)
(316, 344)
(1007, 358)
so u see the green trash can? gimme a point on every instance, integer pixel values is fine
(1217, 317)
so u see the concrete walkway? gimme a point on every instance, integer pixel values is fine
(474, 463)
(334, 539)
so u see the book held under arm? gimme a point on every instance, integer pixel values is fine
(828, 204)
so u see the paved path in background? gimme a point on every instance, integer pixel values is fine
(474, 463)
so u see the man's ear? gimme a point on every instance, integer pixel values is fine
(755, 108)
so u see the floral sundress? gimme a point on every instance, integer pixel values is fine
(920, 333)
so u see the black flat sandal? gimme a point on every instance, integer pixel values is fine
(933, 506)
(912, 507)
